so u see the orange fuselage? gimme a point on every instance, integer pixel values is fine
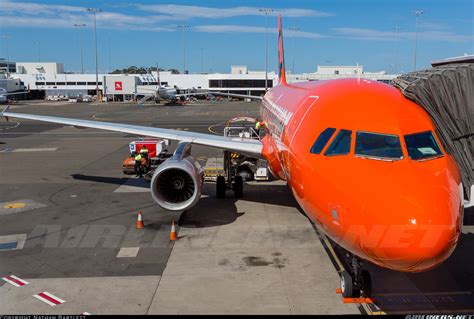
(405, 214)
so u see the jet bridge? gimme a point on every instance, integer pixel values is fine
(446, 92)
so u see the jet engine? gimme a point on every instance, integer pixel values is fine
(176, 184)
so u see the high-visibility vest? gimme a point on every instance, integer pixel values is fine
(257, 125)
(144, 150)
(138, 157)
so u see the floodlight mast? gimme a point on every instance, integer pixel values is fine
(94, 11)
(266, 11)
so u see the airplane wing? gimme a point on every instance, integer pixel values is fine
(15, 93)
(244, 96)
(251, 147)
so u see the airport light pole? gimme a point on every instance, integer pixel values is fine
(6, 37)
(94, 12)
(183, 27)
(295, 29)
(397, 28)
(80, 39)
(417, 14)
(266, 11)
(202, 60)
(39, 53)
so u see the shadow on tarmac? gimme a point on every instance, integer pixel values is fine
(212, 212)
(469, 216)
(135, 182)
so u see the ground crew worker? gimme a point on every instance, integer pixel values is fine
(144, 151)
(259, 124)
(144, 154)
(138, 165)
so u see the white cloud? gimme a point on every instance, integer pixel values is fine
(36, 8)
(32, 14)
(29, 14)
(187, 12)
(377, 35)
(253, 29)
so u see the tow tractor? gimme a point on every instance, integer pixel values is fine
(239, 168)
(157, 154)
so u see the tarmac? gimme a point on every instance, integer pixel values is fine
(68, 218)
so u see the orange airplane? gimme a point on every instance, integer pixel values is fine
(363, 162)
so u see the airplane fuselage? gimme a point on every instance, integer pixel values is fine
(400, 213)
(168, 93)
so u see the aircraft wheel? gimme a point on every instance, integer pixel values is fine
(347, 285)
(246, 173)
(366, 284)
(220, 187)
(238, 187)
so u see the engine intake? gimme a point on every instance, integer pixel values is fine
(177, 183)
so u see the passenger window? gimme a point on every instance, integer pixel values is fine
(341, 144)
(322, 140)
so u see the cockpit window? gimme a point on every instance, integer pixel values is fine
(322, 140)
(341, 144)
(422, 146)
(376, 145)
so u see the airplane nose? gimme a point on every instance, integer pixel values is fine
(423, 232)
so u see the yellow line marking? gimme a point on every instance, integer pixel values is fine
(333, 253)
(212, 126)
(14, 205)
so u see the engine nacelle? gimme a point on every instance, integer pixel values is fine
(176, 185)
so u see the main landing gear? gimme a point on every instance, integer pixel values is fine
(357, 283)
(237, 185)
(230, 180)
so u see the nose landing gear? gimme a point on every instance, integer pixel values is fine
(357, 283)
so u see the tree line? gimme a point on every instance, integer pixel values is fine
(141, 70)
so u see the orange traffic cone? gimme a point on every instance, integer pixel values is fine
(140, 224)
(173, 234)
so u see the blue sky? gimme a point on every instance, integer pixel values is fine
(331, 32)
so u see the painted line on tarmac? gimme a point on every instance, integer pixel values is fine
(48, 298)
(11, 127)
(85, 314)
(19, 206)
(15, 281)
(128, 252)
(12, 242)
(26, 150)
(210, 128)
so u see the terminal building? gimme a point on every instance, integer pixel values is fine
(44, 79)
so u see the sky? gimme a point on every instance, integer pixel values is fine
(380, 35)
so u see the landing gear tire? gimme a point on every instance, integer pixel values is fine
(220, 187)
(238, 187)
(347, 285)
(246, 173)
(366, 284)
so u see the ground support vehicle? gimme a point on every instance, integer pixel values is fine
(157, 154)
